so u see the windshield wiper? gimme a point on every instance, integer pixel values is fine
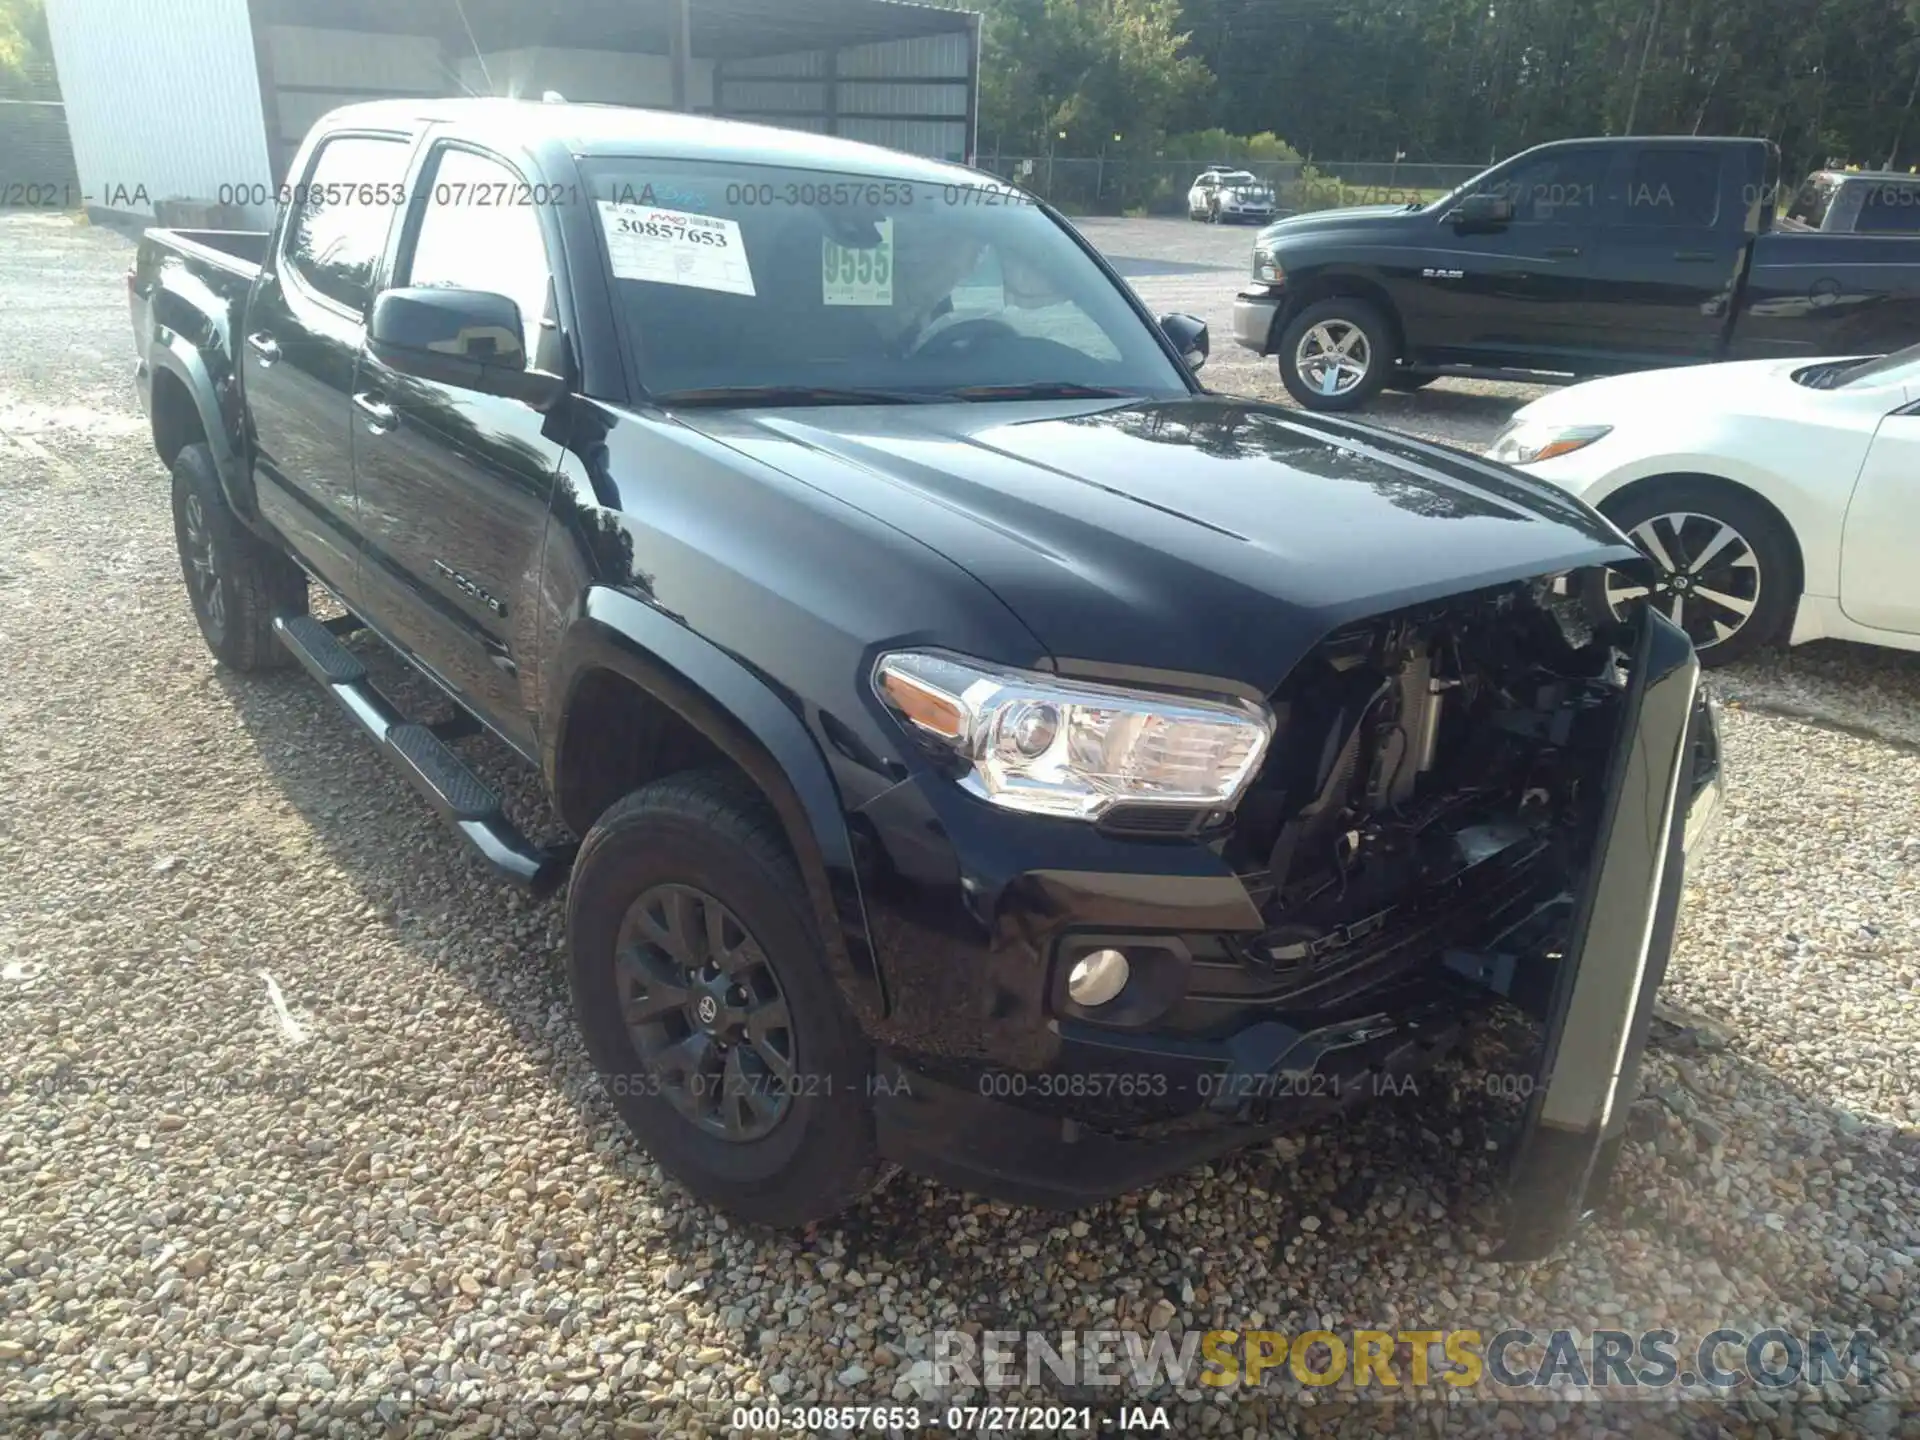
(772, 395)
(1040, 390)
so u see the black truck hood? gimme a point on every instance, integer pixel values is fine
(1201, 536)
(1354, 217)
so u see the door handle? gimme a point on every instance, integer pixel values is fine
(1563, 252)
(380, 418)
(1694, 256)
(265, 346)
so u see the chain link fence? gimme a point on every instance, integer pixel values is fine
(1121, 184)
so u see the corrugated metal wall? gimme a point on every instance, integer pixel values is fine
(161, 96)
(315, 70)
(911, 94)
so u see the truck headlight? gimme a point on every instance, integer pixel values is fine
(1266, 268)
(1525, 442)
(1046, 746)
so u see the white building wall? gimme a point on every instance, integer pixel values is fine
(161, 95)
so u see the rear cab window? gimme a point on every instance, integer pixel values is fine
(1672, 186)
(342, 212)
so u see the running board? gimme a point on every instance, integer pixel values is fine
(460, 797)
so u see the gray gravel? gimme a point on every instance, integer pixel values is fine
(295, 1120)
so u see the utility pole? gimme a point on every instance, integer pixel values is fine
(1633, 105)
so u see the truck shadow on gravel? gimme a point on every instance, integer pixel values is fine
(1725, 1160)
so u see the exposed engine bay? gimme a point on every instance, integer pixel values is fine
(1443, 759)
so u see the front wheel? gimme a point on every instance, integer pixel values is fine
(1724, 563)
(703, 994)
(1336, 354)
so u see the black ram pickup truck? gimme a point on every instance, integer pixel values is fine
(991, 753)
(1578, 258)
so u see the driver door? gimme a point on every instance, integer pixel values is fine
(1517, 293)
(1880, 552)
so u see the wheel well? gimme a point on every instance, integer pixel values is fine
(618, 738)
(176, 419)
(1333, 287)
(1714, 482)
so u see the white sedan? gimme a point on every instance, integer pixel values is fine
(1779, 499)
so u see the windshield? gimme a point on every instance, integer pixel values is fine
(821, 288)
(1239, 178)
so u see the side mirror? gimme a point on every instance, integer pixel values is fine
(1481, 211)
(1189, 337)
(468, 338)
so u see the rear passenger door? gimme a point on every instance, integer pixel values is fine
(454, 484)
(305, 321)
(1670, 252)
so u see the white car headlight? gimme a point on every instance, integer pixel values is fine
(1525, 442)
(1046, 746)
(1266, 267)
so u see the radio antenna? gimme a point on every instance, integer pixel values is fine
(480, 59)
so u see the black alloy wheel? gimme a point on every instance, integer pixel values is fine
(706, 1013)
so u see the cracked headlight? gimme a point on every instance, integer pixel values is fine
(1046, 746)
(1526, 442)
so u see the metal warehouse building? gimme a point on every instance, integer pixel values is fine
(207, 100)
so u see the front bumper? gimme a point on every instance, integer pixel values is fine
(1254, 312)
(986, 1082)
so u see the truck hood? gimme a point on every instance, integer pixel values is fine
(1198, 537)
(1318, 220)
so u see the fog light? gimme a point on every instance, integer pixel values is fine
(1097, 977)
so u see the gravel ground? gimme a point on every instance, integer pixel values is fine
(296, 1122)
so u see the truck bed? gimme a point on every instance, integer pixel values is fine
(1814, 292)
(241, 252)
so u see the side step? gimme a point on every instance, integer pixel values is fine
(461, 797)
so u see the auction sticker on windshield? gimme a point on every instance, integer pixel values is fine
(676, 247)
(858, 275)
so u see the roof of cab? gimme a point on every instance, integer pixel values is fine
(613, 130)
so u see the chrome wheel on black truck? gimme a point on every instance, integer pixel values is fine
(1336, 354)
(705, 1000)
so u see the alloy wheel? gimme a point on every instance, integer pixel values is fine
(1333, 357)
(206, 571)
(1709, 577)
(706, 1013)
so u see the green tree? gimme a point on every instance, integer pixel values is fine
(23, 37)
(1072, 75)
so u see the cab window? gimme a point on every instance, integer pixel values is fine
(344, 210)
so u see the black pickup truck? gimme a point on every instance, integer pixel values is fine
(991, 752)
(1578, 258)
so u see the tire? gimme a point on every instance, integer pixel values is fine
(1331, 322)
(236, 582)
(1408, 381)
(1756, 568)
(712, 834)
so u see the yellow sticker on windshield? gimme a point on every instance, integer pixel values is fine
(851, 275)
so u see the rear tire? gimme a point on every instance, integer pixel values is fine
(709, 835)
(1336, 354)
(236, 582)
(1741, 599)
